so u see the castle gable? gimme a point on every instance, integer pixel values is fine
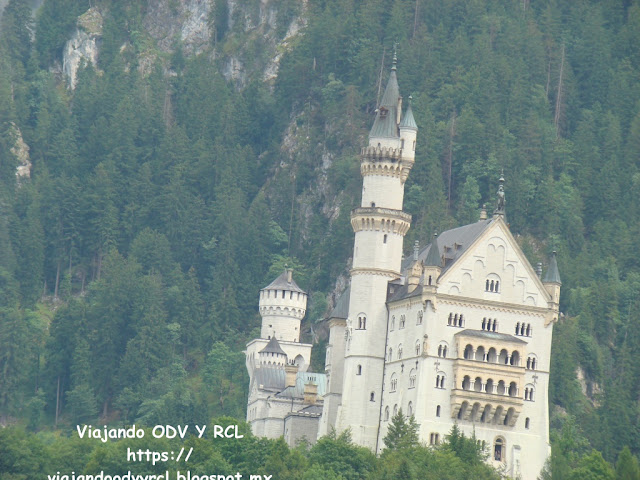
(493, 268)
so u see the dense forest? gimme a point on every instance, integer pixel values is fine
(165, 188)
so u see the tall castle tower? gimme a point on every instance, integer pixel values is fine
(379, 225)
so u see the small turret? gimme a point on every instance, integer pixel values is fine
(282, 306)
(500, 205)
(408, 132)
(272, 354)
(433, 263)
(551, 280)
(415, 272)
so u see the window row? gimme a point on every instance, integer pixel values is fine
(523, 329)
(455, 320)
(399, 351)
(403, 320)
(486, 414)
(491, 356)
(489, 324)
(412, 380)
(489, 386)
(492, 286)
(387, 412)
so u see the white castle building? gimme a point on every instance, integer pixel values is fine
(458, 333)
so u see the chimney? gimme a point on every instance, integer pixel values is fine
(483, 212)
(310, 393)
(539, 269)
(416, 250)
(291, 372)
(399, 114)
(289, 275)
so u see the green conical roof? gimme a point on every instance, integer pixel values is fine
(407, 120)
(434, 259)
(385, 123)
(553, 274)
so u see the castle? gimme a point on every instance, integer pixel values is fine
(460, 332)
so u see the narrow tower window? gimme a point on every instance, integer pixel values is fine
(384, 239)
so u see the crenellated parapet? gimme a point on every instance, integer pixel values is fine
(380, 219)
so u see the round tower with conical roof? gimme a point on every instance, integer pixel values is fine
(380, 226)
(282, 307)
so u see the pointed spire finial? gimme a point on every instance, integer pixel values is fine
(500, 210)
(395, 55)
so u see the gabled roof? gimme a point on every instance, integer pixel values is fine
(553, 274)
(282, 283)
(302, 378)
(341, 310)
(273, 347)
(452, 244)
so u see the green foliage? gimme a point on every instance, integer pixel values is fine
(402, 433)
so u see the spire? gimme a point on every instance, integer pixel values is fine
(385, 124)
(407, 120)
(552, 275)
(500, 211)
(434, 259)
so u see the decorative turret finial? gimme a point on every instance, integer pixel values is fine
(500, 210)
(395, 56)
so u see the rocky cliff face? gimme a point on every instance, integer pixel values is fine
(247, 38)
(84, 44)
(21, 151)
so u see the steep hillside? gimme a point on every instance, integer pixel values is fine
(182, 152)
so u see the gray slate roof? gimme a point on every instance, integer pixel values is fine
(434, 257)
(458, 240)
(341, 310)
(385, 122)
(302, 378)
(273, 347)
(407, 120)
(491, 335)
(552, 275)
(281, 283)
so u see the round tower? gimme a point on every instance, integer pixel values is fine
(272, 355)
(380, 226)
(282, 307)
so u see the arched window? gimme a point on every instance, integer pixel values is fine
(438, 411)
(400, 352)
(489, 386)
(402, 321)
(517, 328)
(499, 449)
(412, 378)
(386, 414)
(395, 409)
(528, 330)
(486, 286)
(410, 409)
(417, 348)
(526, 423)
(420, 315)
(384, 239)
(449, 321)
(393, 323)
(442, 350)
(515, 358)
(513, 389)
(466, 383)
(362, 322)
(372, 397)
(461, 321)
(390, 354)
(359, 370)
(484, 323)
(468, 352)
(394, 382)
